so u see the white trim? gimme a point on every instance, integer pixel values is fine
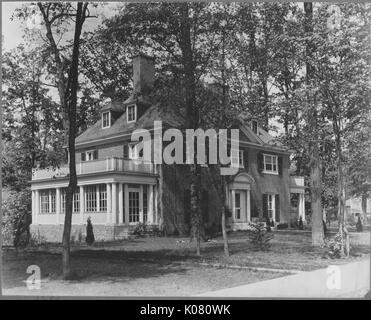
(135, 113)
(273, 209)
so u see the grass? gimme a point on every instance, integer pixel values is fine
(163, 266)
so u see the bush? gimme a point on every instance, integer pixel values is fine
(17, 218)
(259, 236)
(268, 224)
(140, 229)
(359, 224)
(282, 226)
(334, 246)
(89, 233)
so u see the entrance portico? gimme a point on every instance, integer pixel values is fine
(238, 200)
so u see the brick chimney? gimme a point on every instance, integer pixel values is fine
(143, 74)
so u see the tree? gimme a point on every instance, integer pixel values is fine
(312, 121)
(180, 37)
(56, 17)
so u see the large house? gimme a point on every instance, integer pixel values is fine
(117, 189)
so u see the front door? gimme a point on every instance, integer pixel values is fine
(240, 205)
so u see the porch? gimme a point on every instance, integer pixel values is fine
(111, 164)
(113, 206)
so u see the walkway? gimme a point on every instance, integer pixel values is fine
(351, 280)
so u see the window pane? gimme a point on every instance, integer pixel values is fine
(133, 206)
(91, 199)
(102, 197)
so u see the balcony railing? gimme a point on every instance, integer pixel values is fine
(296, 181)
(96, 166)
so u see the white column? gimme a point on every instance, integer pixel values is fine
(126, 194)
(33, 206)
(121, 204)
(98, 197)
(155, 212)
(114, 203)
(82, 204)
(37, 205)
(150, 205)
(274, 207)
(57, 204)
(301, 206)
(141, 203)
(248, 209)
(109, 202)
(233, 203)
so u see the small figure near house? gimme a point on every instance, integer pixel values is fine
(359, 224)
(301, 226)
(89, 233)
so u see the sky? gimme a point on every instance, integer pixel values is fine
(13, 30)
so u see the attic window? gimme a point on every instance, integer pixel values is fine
(254, 126)
(106, 119)
(131, 113)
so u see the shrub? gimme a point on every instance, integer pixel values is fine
(334, 246)
(301, 226)
(259, 236)
(89, 233)
(140, 229)
(17, 218)
(282, 226)
(359, 224)
(268, 224)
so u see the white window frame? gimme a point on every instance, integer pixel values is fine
(48, 200)
(135, 113)
(89, 152)
(134, 151)
(274, 164)
(235, 206)
(271, 206)
(102, 197)
(109, 120)
(91, 199)
(75, 202)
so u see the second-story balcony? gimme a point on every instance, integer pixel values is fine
(112, 164)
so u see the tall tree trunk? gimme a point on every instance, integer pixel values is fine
(364, 207)
(72, 90)
(224, 227)
(67, 90)
(336, 124)
(315, 162)
(192, 115)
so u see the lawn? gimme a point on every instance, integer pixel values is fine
(164, 266)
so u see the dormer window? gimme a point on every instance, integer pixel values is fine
(131, 113)
(254, 126)
(106, 119)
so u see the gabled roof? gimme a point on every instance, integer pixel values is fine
(168, 116)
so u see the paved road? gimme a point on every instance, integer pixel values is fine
(351, 280)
